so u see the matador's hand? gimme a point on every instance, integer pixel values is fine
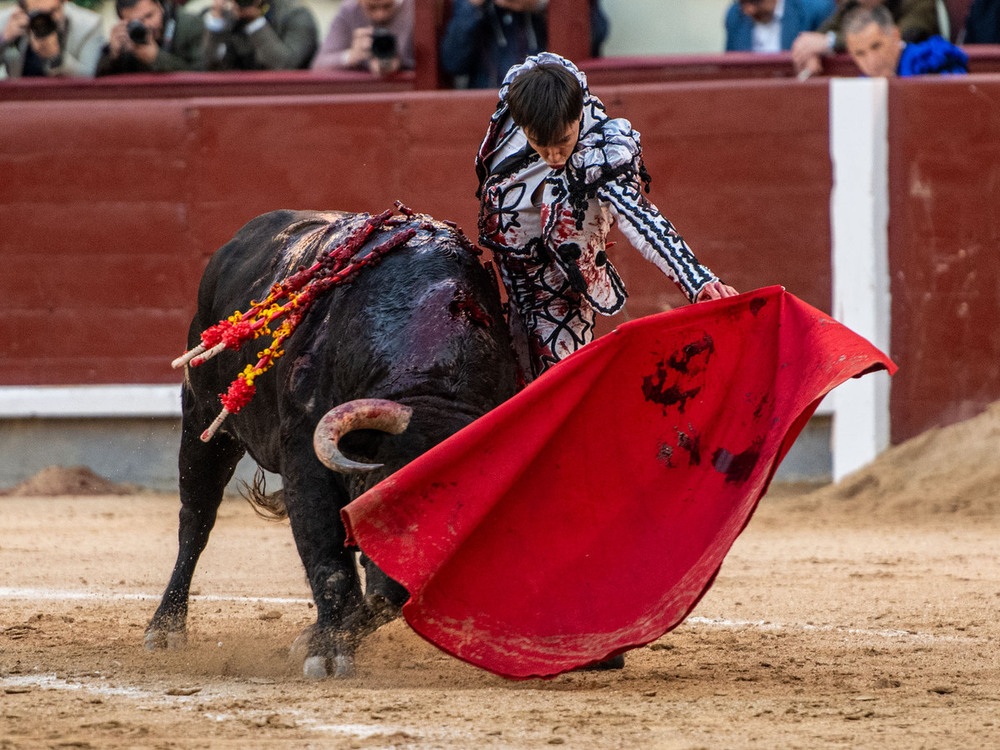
(715, 290)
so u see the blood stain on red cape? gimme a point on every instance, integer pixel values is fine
(589, 514)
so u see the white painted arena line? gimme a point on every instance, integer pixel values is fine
(160, 699)
(42, 594)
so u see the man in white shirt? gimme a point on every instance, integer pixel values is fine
(767, 24)
(772, 25)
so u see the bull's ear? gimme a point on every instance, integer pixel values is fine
(361, 414)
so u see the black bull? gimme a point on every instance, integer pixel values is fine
(424, 328)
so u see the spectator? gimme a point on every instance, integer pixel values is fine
(259, 35)
(877, 47)
(983, 24)
(772, 25)
(915, 19)
(152, 37)
(373, 35)
(49, 38)
(484, 38)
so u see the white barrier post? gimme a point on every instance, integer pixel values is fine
(859, 218)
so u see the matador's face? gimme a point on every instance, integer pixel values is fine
(557, 153)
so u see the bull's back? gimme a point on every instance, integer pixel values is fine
(426, 317)
(246, 267)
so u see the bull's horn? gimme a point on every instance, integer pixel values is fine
(361, 414)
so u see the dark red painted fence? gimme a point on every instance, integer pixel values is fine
(944, 250)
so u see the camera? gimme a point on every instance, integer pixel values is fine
(383, 44)
(137, 32)
(41, 24)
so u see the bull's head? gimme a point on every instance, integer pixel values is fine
(361, 414)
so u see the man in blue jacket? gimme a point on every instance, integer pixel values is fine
(772, 25)
(877, 47)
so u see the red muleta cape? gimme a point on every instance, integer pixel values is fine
(589, 514)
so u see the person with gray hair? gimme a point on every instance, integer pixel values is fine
(916, 20)
(877, 47)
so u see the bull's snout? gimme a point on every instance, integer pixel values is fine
(361, 414)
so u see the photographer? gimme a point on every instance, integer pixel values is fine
(152, 38)
(484, 38)
(372, 35)
(258, 35)
(49, 38)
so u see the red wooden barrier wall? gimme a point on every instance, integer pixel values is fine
(944, 250)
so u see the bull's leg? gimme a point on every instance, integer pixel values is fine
(205, 469)
(384, 597)
(313, 498)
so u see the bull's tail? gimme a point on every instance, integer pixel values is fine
(270, 507)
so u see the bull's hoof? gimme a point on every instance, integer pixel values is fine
(343, 666)
(300, 646)
(170, 640)
(320, 667)
(315, 668)
(614, 662)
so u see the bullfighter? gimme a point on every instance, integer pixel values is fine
(555, 172)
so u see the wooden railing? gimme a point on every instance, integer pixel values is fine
(189, 85)
(600, 71)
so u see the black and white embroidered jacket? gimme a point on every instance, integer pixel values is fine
(565, 228)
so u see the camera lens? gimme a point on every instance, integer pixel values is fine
(383, 44)
(41, 24)
(137, 32)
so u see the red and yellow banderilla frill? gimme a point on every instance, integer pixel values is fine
(289, 299)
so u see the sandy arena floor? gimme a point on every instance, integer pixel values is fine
(860, 615)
